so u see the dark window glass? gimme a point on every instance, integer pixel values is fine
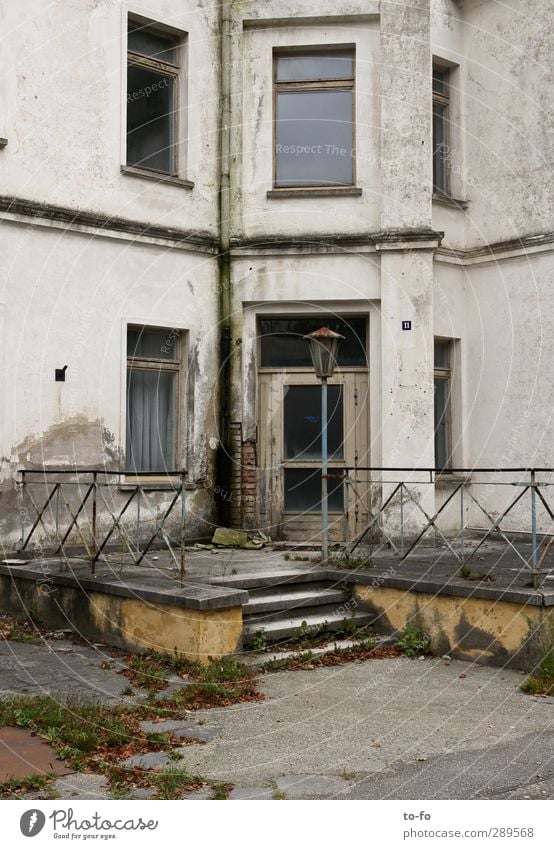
(153, 44)
(440, 148)
(152, 344)
(440, 82)
(442, 354)
(335, 65)
(303, 491)
(442, 439)
(150, 119)
(150, 445)
(313, 140)
(302, 422)
(283, 346)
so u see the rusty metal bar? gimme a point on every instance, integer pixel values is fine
(40, 514)
(159, 527)
(357, 540)
(74, 518)
(182, 572)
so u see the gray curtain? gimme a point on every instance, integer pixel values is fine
(150, 420)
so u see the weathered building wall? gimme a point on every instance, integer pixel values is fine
(75, 275)
(90, 248)
(64, 81)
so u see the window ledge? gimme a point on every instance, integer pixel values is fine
(156, 176)
(315, 191)
(150, 481)
(446, 200)
(446, 477)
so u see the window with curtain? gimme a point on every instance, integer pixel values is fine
(443, 390)
(314, 117)
(153, 368)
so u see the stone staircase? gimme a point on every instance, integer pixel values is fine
(284, 603)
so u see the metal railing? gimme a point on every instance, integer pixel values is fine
(515, 497)
(96, 506)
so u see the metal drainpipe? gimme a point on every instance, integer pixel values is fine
(223, 474)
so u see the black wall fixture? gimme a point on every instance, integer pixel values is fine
(60, 374)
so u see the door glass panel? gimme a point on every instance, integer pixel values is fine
(302, 422)
(303, 491)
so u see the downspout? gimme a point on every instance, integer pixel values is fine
(223, 473)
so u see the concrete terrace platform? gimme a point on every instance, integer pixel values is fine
(229, 595)
(131, 607)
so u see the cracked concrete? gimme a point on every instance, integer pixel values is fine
(389, 728)
(369, 730)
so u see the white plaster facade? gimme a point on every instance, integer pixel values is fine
(88, 249)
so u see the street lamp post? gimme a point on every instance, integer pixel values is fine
(324, 345)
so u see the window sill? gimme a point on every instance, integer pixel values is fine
(315, 191)
(453, 478)
(156, 176)
(149, 482)
(446, 200)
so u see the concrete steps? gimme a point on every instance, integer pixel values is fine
(293, 596)
(288, 623)
(273, 578)
(284, 602)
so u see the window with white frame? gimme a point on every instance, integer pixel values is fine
(314, 117)
(441, 124)
(154, 60)
(153, 379)
(443, 407)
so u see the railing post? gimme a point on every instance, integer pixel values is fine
(534, 529)
(347, 511)
(94, 487)
(462, 522)
(402, 518)
(324, 481)
(183, 476)
(57, 516)
(138, 520)
(22, 507)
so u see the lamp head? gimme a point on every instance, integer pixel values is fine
(324, 345)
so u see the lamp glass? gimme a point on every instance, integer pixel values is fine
(324, 344)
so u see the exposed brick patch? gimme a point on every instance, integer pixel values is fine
(249, 484)
(235, 440)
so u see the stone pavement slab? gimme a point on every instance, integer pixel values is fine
(184, 730)
(311, 786)
(250, 793)
(200, 795)
(147, 760)
(42, 670)
(82, 785)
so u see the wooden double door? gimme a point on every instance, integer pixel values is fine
(289, 442)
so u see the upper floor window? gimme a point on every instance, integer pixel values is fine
(153, 77)
(314, 117)
(441, 119)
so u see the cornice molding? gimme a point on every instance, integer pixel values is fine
(27, 211)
